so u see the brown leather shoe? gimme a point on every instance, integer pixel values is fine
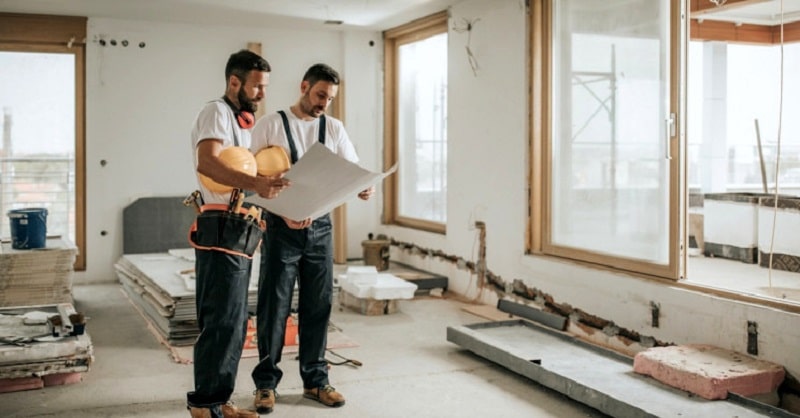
(265, 400)
(325, 395)
(230, 411)
(199, 412)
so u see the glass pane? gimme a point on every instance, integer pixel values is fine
(735, 86)
(610, 103)
(37, 158)
(422, 129)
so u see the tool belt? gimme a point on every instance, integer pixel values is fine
(234, 232)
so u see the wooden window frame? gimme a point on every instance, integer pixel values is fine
(392, 39)
(538, 230)
(58, 34)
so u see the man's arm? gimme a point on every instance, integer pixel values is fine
(210, 165)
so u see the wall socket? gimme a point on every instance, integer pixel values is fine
(752, 338)
(655, 313)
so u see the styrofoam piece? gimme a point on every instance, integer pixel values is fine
(361, 275)
(386, 286)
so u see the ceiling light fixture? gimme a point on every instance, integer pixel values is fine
(333, 22)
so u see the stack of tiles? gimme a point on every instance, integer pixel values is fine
(161, 287)
(31, 357)
(37, 276)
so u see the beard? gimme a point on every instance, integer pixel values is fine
(246, 104)
(309, 109)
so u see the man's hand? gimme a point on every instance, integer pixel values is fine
(292, 224)
(367, 193)
(270, 186)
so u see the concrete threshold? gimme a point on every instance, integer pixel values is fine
(592, 375)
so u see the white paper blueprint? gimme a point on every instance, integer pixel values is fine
(321, 181)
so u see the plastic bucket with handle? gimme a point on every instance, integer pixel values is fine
(28, 228)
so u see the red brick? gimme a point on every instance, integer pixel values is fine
(708, 371)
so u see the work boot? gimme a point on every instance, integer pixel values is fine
(265, 400)
(228, 411)
(199, 412)
(325, 395)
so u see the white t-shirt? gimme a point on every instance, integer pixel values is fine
(269, 131)
(217, 121)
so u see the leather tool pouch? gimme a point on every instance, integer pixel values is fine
(227, 232)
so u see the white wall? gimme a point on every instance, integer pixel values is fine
(487, 180)
(141, 103)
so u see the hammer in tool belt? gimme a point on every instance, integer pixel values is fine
(195, 199)
(237, 198)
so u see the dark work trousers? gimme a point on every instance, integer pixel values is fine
(289, 255)
(221, 298)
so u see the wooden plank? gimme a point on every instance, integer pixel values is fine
(27, 28)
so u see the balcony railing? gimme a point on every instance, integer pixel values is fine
(39, 182)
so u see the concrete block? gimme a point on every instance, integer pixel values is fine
(709, 372)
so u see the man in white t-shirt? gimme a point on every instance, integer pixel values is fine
(299, 249)
(222, 270)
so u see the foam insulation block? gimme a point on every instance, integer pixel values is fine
(709, 372)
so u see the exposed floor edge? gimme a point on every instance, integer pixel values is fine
(599, 378)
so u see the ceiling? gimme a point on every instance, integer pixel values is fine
(765, 12)
(353, 14)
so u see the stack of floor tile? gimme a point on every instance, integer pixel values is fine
(37, 276)
(31, 358)
(161, 287)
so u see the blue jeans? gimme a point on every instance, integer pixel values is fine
(222, 281)
(304, 256)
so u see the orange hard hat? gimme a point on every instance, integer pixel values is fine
(237, 158)
(272, 160)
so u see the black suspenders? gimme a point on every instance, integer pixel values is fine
(289, 138)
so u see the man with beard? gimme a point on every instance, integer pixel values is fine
(222, 269)
(299, 250)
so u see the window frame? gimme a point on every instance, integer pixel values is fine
(392, 40)
(58, 34)
(539, 230)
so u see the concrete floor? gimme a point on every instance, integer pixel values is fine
(409, 369)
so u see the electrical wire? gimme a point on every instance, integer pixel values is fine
(777, 157)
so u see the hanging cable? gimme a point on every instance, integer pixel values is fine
(777, 157)
(467, 27)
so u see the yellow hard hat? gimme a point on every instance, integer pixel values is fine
(272, 160)
(237, 158)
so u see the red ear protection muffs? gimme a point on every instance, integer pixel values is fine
(245, 119)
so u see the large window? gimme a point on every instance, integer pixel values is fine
(416, 123)
(734, 88)
(608, 133)
(42, 102)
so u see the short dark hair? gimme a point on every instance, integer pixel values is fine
(321, 72)
(242, 62)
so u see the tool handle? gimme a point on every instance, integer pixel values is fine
(234, 200)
